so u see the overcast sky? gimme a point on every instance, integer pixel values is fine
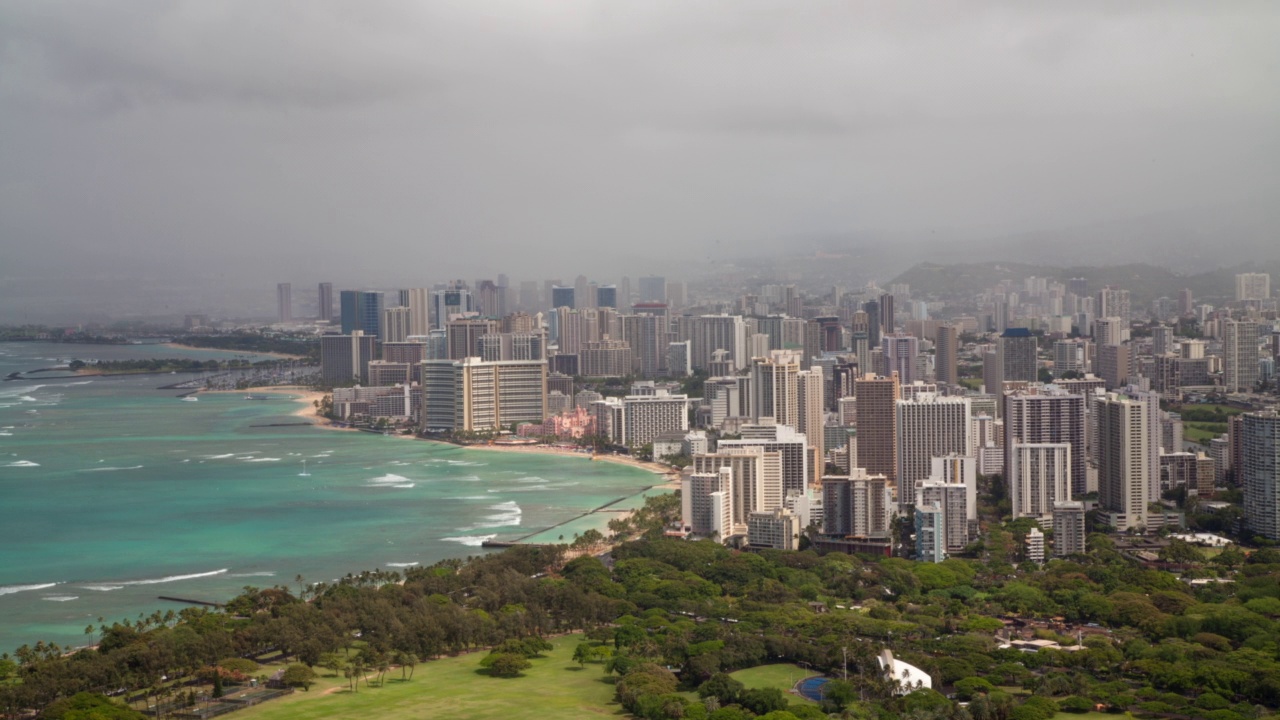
(359, 138)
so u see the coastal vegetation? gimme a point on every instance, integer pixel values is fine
(667, 620)
(303, 346)
(159, 365)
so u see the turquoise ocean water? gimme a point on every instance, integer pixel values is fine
(113, 492)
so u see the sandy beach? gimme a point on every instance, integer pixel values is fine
(304, 396)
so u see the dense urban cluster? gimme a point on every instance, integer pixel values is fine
(996, 504)
(867, 415)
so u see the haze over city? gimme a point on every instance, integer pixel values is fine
(177, 157)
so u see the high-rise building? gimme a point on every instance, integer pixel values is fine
(395, 325)
(1123, 458)
(1186, 303)
(930, 533)
(345, 358)
(645, 334)
(476, 396)
(811, 416)
(900, 356)
(494, 347)
(1018, 355)
(1239, 355)
(1039, 476)
(1110, 330)
(419, 304)
(361, 310)
(707, 503)
(1112, 302)
(284, 302)
(562, 297)
(653, 288)
(888, 313)
(872, 309)
(1115, 364)
(784, 439)
(858, 506)
(928, 426)
(877, 450)
(464, 336)
(607, 296)
(947, 351)
(773, 387)
(325, 301)
(1161, 339)
(606, 358)
(1261, 473)
(778, 529)
(678, 361)
(708, 333)
(1068, 528)
(1046, 415)
(1068, 356)
(993, 374)
(645, 417)
(953, 499)
(450, 302)
(1253, 286)
(756, 477)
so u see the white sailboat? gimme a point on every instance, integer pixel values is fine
(304, 472)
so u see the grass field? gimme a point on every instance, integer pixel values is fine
(1202, 432)
(555, 687)
(781, 676)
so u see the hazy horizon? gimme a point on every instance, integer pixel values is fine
(194, 154)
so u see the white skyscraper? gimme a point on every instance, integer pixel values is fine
(927, 427)
(1123, 438)
(1039, 476)
(1261, 473)
(1253, 286)
(1239, 355)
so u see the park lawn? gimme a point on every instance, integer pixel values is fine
(555, 687)
(1203, 432)
(783, 676)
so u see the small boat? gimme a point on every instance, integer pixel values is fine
(251, 396)
(191, 398)
(304, 472)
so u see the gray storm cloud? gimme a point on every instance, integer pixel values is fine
(249, 141)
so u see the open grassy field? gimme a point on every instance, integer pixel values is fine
(781, 676)
(555, 687)
(1202, 432)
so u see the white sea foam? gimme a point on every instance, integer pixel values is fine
(402, 565)
(11, 589)
(251, 574)
(506, 514)
(264, 460)
(23, 463)
(470, 497)
(169, 578)
(102, 588)
(470, 540)
(61, 598)
(219, 457)
(109, 469)
(6, 434)
(466, 463)
(28, 398)
(531, 479)
(468, 478)
(388, 480)
(82, 382)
